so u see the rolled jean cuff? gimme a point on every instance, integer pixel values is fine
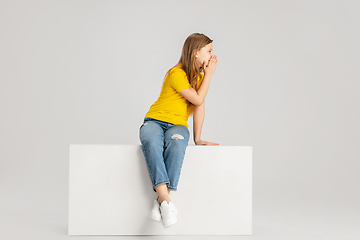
(172, 188)
(160, 183)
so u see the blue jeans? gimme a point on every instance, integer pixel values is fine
(164, 146)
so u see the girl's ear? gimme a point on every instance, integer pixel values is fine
(196, 53)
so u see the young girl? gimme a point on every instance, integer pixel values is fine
(164, 135)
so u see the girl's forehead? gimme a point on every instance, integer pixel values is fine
(209, 46)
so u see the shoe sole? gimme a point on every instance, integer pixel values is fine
(155, 217)
(170, 222)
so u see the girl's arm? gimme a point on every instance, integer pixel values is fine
(197, 97)
(198, 120)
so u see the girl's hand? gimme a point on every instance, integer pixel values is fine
(202, 142)
(209, 68)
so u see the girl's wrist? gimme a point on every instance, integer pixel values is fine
(209, 75)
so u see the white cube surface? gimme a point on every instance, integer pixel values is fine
(110, 191)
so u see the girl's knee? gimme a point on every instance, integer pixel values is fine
(177, 136)
(179, 132)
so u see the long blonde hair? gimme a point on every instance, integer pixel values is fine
(188, 61)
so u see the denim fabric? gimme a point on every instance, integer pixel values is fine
(164, 146)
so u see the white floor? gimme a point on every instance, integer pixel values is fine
(42, 214)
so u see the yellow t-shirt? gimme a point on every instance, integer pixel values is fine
(171, 106)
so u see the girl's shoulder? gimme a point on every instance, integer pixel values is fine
(177, 69)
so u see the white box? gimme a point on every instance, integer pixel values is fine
(110, 192)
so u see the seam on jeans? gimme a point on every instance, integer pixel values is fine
(151, 174)
(182, 161)
(178, 176)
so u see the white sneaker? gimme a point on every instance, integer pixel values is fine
(168, 213)
(155, 212)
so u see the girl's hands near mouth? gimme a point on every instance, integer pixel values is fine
(211, 66)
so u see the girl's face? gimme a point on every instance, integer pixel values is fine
(203, 55)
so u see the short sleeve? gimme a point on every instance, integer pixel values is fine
(201, 77)
(178, 81)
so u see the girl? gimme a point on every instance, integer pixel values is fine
(164, 135)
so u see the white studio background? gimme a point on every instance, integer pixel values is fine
(86, 72)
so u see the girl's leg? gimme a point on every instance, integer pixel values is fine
(160, 187)
(163, 193)
(152, 141)
(176, 141)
